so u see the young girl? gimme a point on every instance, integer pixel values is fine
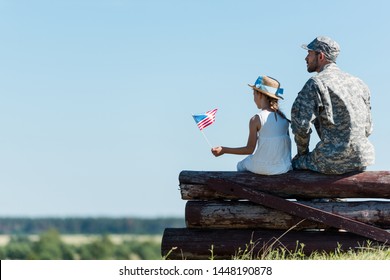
(268, 130)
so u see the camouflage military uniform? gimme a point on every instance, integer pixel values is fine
(338, 105)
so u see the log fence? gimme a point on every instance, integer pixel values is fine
(231, 212)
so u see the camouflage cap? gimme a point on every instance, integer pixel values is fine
(325, 45)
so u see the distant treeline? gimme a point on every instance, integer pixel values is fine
(50, 246)
(88, 225)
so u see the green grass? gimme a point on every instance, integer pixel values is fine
(368, 252)
(252, 252)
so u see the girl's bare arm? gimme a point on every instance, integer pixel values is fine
(254, 127)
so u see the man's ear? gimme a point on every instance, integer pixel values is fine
(322, 56)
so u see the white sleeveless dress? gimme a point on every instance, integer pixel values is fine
(273, 152)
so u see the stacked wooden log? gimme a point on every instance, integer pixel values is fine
(230, 213)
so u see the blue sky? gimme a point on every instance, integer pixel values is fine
(96, 96)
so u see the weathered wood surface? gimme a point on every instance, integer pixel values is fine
(246, 214)
(300, 210)
(187, 243)
(294, 184)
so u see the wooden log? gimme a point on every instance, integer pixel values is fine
(245, 214)
(294, 184)
(183, 243)
(300, 210)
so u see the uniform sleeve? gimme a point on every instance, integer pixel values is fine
(303, 114)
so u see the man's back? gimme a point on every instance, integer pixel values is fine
(340, 107)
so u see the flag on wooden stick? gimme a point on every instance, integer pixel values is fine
(204, 120)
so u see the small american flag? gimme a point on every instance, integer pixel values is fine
(204, 120)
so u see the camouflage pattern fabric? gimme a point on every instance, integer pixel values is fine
(325, 45)
(338, 104)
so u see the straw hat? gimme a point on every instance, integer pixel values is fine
(265, 85)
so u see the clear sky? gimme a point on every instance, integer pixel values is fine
(96, 96)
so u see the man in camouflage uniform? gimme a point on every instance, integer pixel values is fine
(338, 104)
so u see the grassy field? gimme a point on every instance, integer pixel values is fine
(368, 252)
(51, 245)
(81, 239)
